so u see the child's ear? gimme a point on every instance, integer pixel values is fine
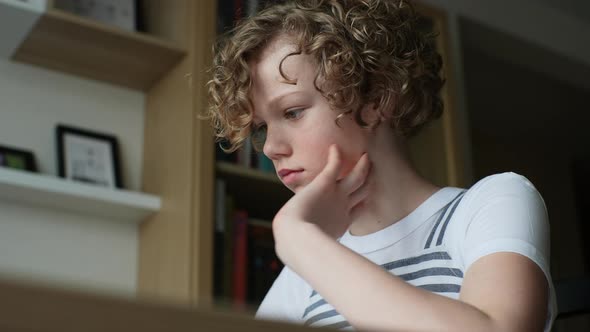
(372, 113)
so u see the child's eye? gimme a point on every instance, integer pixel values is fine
(294, 113)
(258, 136)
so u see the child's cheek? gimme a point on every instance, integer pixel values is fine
(347, 167)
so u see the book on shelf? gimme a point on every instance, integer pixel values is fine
(264, 266)
(221, 155)
(223, 241)
(240, 259)
(119, 13)
(219, 237)
(245, 156)
(245, 262)
(228, 12)
(231, 11)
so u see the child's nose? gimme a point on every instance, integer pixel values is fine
(276, 144)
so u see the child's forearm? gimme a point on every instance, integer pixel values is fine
(365, 294)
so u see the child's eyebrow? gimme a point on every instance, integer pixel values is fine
(275, 101)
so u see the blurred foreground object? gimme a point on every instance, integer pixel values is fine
(35, 308)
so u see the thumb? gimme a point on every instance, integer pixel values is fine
(333, 166)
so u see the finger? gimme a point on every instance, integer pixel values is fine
(357, 176)
(334, 165)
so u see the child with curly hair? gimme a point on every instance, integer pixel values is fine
(330, 91)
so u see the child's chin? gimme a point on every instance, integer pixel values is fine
(294, 189)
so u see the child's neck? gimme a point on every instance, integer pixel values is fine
(396, 189)
(392, 200)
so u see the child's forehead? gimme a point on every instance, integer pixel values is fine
(277, 47)
(280, 59)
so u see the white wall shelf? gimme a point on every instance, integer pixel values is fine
(48, 191)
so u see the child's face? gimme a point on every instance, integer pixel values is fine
(300, 124)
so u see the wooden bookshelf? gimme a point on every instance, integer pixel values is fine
(176, 244)
(228, 169)
(80, 46)
(261, 193)
(438, 151)
(48, 191)
(168, 63)
(260, 222)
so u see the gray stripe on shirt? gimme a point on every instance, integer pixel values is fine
(435, 271)
(431, 236)
(444, 227)
(313, 306)
(438, 255)
(441, 288)
(339, 325)
(320, 316)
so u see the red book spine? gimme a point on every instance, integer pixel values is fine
(240, 271)
(238, 10)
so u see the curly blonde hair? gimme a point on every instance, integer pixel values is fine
(369, 51)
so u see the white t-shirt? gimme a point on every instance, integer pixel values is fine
(433, 246)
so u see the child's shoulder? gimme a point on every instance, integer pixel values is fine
(500, 184)
(494, 197)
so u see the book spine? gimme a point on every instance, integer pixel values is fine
(218, 240)
(240, 273)
(245, 154)
(264, 163)
(228, 249)
(252, 7)
(220, 193)
(263, 264)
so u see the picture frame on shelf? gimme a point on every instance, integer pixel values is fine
(88, 156)
(19, 159)
(119, 13)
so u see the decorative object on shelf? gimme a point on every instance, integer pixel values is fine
(17, 159)
(120, 13)
(88, 156)
(17, 18)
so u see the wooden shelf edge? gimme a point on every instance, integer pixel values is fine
(260, 222)
(48, 191)
(227, 168)
(109, 29)
(76, 45)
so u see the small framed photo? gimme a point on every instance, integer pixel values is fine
(17, 159)
(87, 156)
(120, 13)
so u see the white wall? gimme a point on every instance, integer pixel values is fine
(56, 246)
(67, 250)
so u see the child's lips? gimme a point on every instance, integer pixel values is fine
(289, 176)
